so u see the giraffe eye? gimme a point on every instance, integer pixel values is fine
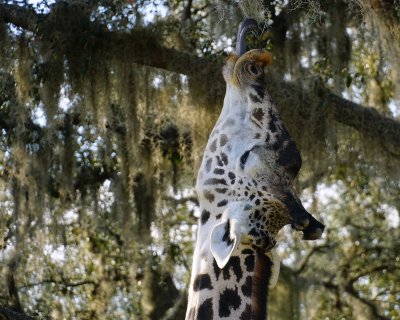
(254, 69)
(243, 159)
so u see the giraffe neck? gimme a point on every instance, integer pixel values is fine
(237, 291)
(260, 290)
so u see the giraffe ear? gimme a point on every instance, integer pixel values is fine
(223, 242)
(226, 236)
(276, 266)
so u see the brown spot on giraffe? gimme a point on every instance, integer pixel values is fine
(258, 114)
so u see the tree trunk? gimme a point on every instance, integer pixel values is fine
(284, 301)
(158, 291)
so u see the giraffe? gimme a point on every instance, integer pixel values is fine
(246, 195)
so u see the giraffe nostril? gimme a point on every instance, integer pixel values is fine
(300, 224)
(314, 229)
(301, 218)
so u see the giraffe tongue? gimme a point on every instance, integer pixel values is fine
(244, 27)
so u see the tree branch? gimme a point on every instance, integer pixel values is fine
(349, 289)
(368, 121)
(22, 17)
(58, 282)
(374, 309)
(369, 271)
(143, 46)
(307, 257)
(187, 12)
(183, 200)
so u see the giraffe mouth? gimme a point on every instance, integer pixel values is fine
(314, 229)
(304, 221)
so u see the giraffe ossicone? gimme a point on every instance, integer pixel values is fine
(246, 195)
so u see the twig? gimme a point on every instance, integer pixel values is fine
(58, 282)
(307, 257)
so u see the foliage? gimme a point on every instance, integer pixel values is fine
(101, 139)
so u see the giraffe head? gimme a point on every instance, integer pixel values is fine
(262, 158)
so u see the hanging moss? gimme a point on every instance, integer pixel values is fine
(137, 134)
(23, 70)
(123, 108)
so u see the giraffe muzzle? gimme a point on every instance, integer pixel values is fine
(300, 216)
(314, 229)
(300, 219)
(304, 221)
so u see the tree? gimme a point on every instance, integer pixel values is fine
(105, 109)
